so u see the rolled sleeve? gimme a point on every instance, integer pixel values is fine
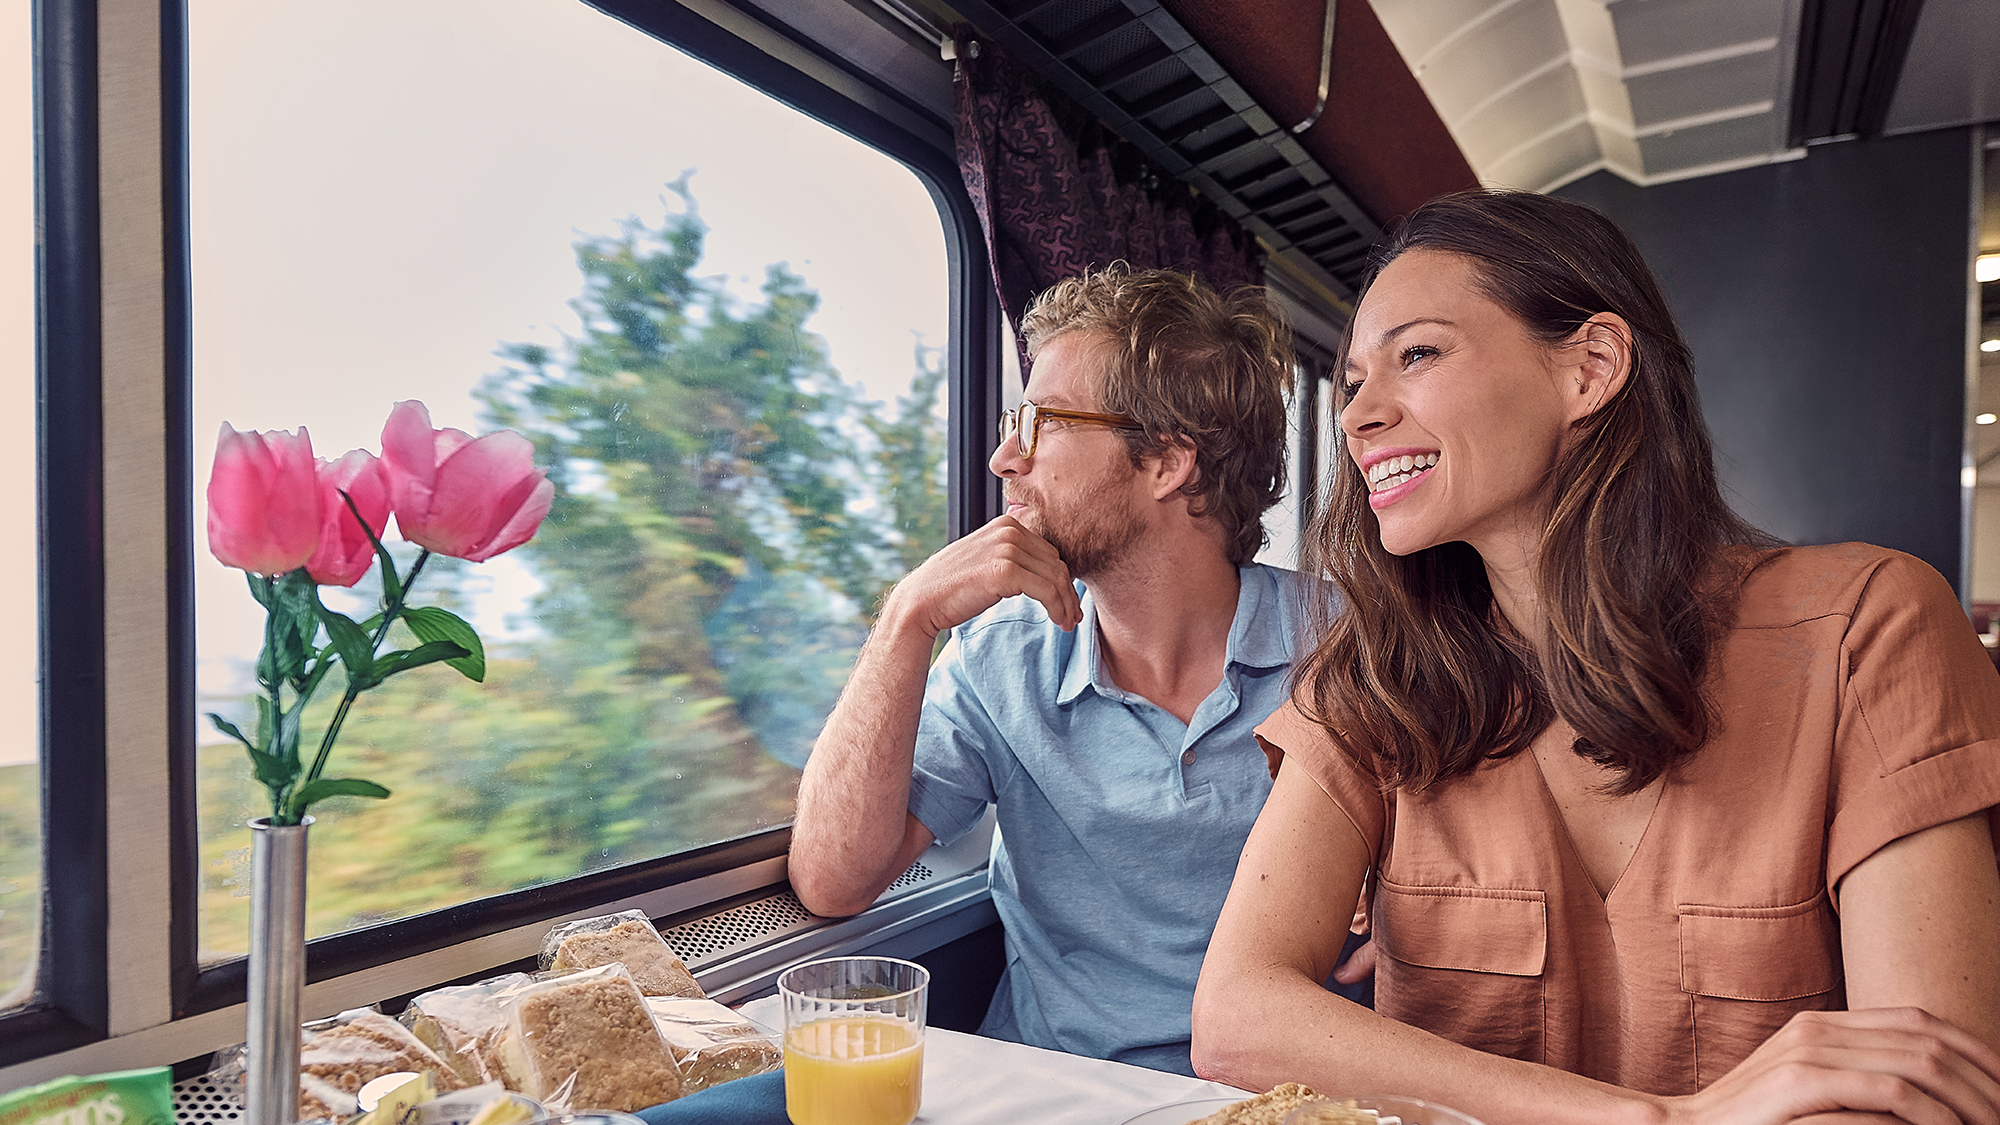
(1355, 793)
(1919, 729)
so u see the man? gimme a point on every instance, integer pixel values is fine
(1112, 729)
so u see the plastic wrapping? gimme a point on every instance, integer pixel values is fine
(713, 1044)
(340, 1055)
(590, 1043)
(627, 938)
(467, 1026)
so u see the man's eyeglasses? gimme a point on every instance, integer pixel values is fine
(1024, 423)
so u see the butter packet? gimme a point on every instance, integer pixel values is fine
(126, 1097)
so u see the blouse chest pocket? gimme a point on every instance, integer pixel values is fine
(1747, 970)
(1465, 963)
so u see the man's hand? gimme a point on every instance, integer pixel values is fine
(978, 571)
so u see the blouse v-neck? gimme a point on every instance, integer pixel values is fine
(1562, 832)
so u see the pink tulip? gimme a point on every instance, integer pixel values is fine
(470, 498)
(345, 554)
(263, 504)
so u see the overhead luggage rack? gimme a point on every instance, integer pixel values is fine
(1139, 70)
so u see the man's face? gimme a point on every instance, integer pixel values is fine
(1080, 489)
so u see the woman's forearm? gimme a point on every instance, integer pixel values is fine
(1256, 1029)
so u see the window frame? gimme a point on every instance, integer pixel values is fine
(77, 996)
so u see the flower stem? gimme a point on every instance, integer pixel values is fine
(389, 614)
(273, 743)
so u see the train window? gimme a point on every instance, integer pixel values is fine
(723, 324)
(20, 734)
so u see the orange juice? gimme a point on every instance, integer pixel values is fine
(853, 1070)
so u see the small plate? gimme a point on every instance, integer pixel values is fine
(1180, 1113)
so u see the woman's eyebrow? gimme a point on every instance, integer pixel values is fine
(1385, 338)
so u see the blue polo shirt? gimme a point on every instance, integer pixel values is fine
(1119, 826)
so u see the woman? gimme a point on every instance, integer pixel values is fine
(1666, 822)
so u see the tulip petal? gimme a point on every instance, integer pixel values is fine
(344, 553)
(263, 501)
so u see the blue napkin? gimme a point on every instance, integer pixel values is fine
(756, 1100)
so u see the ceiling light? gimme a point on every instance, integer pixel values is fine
(1986, 419)
(1988, 267)
(1989, 345)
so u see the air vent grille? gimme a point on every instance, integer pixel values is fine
(916, 874)
(198, 1101)
(705, 939)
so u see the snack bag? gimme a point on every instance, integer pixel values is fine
(590, 1043)
(467, 1026)
(125, 1097)
(712, 1044)
(627, 938)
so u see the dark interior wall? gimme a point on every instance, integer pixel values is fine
(1825, 301)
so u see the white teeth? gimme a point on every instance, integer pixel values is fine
(1392, 471)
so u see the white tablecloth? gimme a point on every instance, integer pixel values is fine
(972, 1080)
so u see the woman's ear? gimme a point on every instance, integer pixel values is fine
(1172, 469)
(1596, 362)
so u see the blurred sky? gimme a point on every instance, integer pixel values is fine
(383, 191)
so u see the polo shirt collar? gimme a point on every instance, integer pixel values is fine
(1258, 637)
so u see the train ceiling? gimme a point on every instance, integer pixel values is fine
(1541, 92)
(1425, 96)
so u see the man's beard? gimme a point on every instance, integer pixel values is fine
(1092, 539)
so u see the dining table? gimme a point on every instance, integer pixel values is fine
(973, 1080)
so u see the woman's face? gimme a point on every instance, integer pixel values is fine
(1456, 414)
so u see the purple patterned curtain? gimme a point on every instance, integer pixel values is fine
(1057, 192)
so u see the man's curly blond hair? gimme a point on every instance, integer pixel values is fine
(1193, 367)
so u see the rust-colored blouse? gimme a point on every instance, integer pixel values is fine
(1856, 707)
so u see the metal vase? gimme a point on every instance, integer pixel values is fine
(277, 969)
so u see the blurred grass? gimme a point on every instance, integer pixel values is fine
(20, 879)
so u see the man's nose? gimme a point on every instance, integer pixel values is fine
(1007, 460)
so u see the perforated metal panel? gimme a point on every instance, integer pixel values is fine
(198, 1101)
(717, 936)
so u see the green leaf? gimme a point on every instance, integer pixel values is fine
(356, 648)
(392, 583)
(322, 788)
(295, 619)
(229, 728)
(402, 660)
(260, 588)
(272, 772)
(431, 623)
(267, 724)
(287, 748)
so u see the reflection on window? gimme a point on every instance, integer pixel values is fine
(738, 392)
(20, 734)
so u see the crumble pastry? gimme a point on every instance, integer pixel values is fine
(635, 944)
(713, 1044)
(592, 1032)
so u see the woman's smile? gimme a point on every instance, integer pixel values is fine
(1395, 473)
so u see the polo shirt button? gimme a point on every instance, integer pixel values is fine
(1187, 757)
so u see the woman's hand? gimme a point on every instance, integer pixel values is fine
(1878, 1064)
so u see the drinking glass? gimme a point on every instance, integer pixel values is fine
(854, 1040)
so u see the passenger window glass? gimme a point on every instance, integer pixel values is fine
(722, 323)
(20, 661)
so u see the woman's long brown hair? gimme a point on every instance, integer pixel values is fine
(1418, 679)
